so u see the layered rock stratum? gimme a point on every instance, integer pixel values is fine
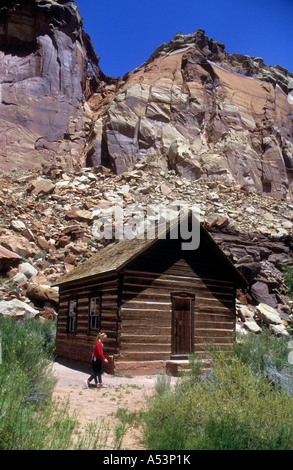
(48, 70)
(201, 111)
(191, 107)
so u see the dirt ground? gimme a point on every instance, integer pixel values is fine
(129, 392)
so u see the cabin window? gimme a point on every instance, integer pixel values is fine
(94, 314)
(72, 314)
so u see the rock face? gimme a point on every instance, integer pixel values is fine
(191, 106)
(47, 70)
(194, 108)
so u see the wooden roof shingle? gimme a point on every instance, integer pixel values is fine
(109, 259)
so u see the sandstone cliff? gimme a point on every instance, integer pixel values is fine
(195, 108)
(191, 106)
(48, 69)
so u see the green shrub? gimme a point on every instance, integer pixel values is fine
(267, 354)
(29, 418)
(231, 409)
(288, 278)
(163, 382)
(26, 357)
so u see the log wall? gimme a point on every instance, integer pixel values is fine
(146, 304)
(79, 345)
(137, 305)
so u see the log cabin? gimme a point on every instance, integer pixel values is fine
(157, 303)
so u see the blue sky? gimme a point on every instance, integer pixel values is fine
(124, 33)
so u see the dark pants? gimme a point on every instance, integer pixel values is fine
(97, 371)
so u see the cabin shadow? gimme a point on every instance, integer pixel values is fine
(74, 364)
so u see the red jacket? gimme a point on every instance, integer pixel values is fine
(98, 351)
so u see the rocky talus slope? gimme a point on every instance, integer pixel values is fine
(50, 221)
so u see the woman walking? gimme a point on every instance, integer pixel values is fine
(97, 361)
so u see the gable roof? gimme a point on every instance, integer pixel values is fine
(109, 259)
(116, 256)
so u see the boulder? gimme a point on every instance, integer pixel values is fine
(268, 315)
(260, 292)
(182, 160)
(18, 244)
(17, 225)
(8, 259)
(41, 186)
(244, 312)
(79, 215)
(28, 270)
(43, 293)
(17, 309)
(240, 329)
(279, 330)
(249, 270)
(252, 326)
(20, 279)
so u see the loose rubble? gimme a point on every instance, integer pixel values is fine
(53, 229)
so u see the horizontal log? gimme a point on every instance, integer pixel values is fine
(210, 331)
(88, 293)
(109, 306)
(202, 300)
(146, 294)
(214, 309)
(110, 298)
(133, 285)
(82, 311)
(88, 285)
(141, 328)
(63, 312)
(79, 347)
(163, 295)
(159, 282)
(213, 325)
(82, 321)
(147, 305)
(145, 347)
(217, 315)
(203, 348)
(169, 276)
(144, 356)
(164, 291)
(140, 314)
(82, 299)
(221, 316)
(146, 339)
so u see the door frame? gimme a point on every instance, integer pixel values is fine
(191, 297)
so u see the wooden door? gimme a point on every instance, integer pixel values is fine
(182, 328)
